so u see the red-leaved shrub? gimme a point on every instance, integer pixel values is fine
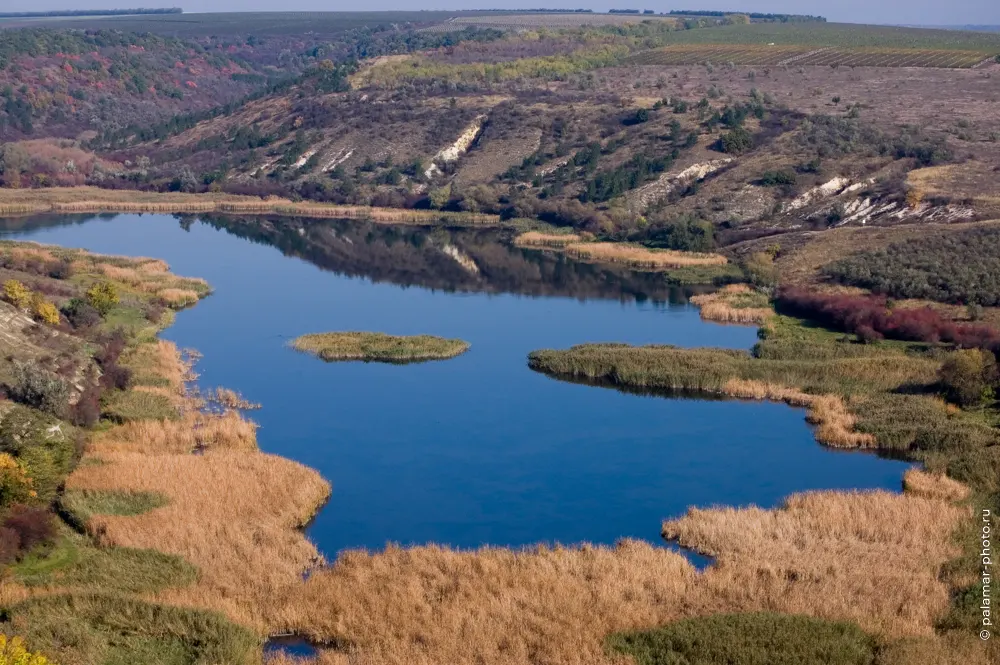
(34, 526)
(871, 319)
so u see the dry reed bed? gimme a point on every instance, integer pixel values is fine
(546, 240)
(233, 511)
(93, 199)
(822, 554)
(934, 486)
(641, 258)
(736, 303)
(869, 557)
(834, 423)
(234, 514)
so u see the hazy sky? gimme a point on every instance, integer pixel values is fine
(934, 12)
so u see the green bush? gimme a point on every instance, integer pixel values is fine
(103, 297)
(46, 447)
(749, 639)
(777, 178)
(968, 377)
(736, 141)
(38, 388)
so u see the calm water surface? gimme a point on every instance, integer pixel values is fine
(478, 449)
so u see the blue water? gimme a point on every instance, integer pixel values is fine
(478, 449)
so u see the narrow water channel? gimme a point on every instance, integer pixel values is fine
(479, 449)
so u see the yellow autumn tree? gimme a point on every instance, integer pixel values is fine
(17, 294)
(15, 484)
(44, 310)
(14, 652)
(103, 297)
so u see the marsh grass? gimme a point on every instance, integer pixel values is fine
(76, 563)
(753, 638)
(82, 505)
(641, 258)
(379, 347)
(122, 406)
(108, 629)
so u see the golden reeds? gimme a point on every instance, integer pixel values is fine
(834, 423)
(548, 240)
(230, 399)
(641, 258)
(736, 303)
(234, 514)
(177, 298)
(193, 431)
(821, 554)
(869, 557)
(934, 486)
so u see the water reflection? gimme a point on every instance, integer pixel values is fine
(451, 260)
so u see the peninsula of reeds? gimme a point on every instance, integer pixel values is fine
(379, 347)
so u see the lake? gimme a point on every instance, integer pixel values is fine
(478, 449)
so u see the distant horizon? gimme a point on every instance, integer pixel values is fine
(929, 13)
(966, 25)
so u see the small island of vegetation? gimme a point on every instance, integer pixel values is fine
(379, 347)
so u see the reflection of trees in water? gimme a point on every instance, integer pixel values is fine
(475, 260)
(48, 220)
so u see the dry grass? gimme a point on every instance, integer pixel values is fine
(432, 605)
(93, 199)
(193, 431)
(822, 554)
(934, 486)
(230, 399)
(232, 513)
(177, 298)
(641, 258)
(834, 423)
(869, 557)
(549, 240)
(736, 303)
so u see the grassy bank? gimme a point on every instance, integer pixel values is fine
(94, 200)
(379, 347)
(176, 533)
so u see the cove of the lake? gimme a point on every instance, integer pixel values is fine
(478, 449)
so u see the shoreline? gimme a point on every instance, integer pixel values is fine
(306, 609)
(69, 200)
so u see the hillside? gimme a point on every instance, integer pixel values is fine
(687, 134)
